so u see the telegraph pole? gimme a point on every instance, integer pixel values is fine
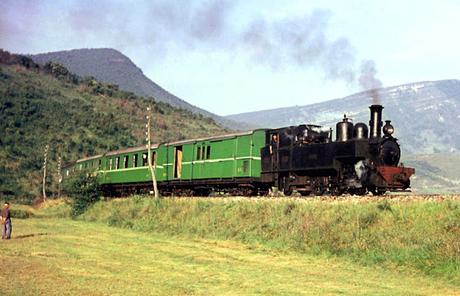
(59, 176)
(149, 152)
(45, 163)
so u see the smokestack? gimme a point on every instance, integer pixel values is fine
(375, 124)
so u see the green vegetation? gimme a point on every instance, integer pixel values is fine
(50, 256)
(84, 189)
(77, 117)
(423, 235)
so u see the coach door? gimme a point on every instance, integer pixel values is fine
(177, 162)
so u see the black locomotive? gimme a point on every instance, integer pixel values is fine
(360, 160)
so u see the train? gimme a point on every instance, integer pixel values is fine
(304, 159)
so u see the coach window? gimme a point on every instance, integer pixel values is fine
(145, 160)
(198, 153)
(135, 156)
(110, 164)
(154, 158)
(99, 166)
(117, 163)
(125, 161)
(208, 152)
(203, 152)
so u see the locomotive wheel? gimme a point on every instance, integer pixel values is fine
(318, 190)
(287, 191)
(336, 191)
(285, 186)
(376, 191)
(358, 191)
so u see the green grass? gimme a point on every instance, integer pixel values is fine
(51, 256)
(417, 234)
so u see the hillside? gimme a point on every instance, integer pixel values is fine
(425, 114)
(76, 117)
(435, 173)
(111, 66)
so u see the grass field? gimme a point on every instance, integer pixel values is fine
(58, 256)
(413, 232)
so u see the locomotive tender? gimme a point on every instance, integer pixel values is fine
(302, 158)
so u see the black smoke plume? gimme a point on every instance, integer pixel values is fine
(158, 27)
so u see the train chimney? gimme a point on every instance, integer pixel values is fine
(375, 124)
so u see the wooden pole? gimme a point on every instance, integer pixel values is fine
(149, 152)
(45, 162)
(59, 176)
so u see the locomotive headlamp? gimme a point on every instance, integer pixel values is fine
(388, 129)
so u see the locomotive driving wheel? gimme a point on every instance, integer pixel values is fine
(318, 190)
(285, 186)
(377, 190)
(358, 191)
(336, 191)
(318, 187)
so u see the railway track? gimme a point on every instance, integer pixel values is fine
(345, 198)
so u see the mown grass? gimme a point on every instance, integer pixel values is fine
(422, 234)
(67, 257)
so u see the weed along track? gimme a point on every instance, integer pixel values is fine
(406, 197)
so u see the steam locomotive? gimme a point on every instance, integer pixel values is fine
(306, 159)
(301, 158)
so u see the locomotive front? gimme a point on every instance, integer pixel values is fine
(382, 172)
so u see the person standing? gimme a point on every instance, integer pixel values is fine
(6, 221)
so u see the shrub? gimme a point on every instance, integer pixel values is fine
(84, 190)
(21, 213)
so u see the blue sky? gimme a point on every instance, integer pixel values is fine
(201, 52)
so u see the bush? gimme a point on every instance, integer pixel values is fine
(84, 190)
(21, 213)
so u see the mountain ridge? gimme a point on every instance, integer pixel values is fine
(111, 66)
(436, 104)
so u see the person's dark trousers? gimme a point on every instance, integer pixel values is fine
(6, 229)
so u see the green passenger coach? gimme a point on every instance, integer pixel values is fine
(189, 166)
